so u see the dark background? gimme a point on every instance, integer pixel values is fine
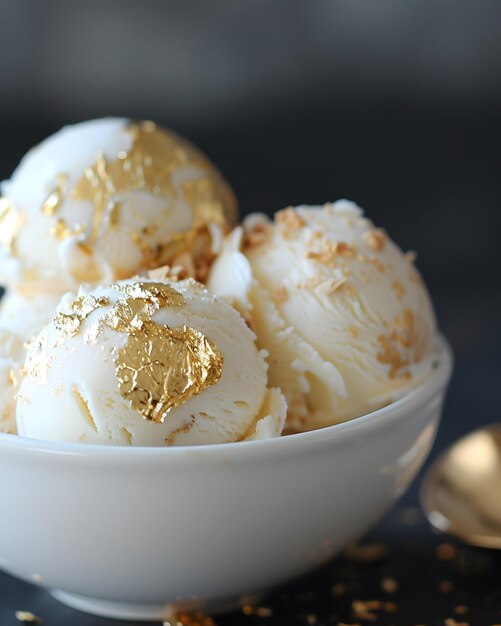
(395, 105)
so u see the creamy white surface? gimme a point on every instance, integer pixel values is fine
(226, 411)
(22, 316)
(325, 348)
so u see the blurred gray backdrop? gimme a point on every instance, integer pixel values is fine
(188, 60)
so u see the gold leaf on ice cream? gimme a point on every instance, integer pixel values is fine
(205, 199)
(11, 222)
(56, 196)
(70, 323)
(85, 305)
(37, 361)
(149, 166)
(159, 294)
(128, 314)
(160, 368)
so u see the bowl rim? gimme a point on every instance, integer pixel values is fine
(434, 385)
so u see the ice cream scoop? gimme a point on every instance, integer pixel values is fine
(149, 363)
(22, 316)
(105, 199)
(344, 314)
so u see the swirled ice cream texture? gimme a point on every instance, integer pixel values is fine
(144, 362)
(344, 314)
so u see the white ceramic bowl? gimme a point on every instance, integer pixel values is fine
(137, 532)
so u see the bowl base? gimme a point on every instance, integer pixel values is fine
(146, 612)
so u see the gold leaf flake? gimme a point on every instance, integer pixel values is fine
(85, 305)
(160, 368)
(68, 323)
(203, 195)
(82, 307)
(159, 294)
(375, 239)
(61, 230)
(28, 618)
(37, 361)
(290, 218)
(54, 200)
(150, 165)
(399, 289)
(404, 344)
(330, 250)
(11, 222)
(128, 314)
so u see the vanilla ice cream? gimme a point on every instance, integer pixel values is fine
(150, 363)
(22, 316)
(344, 314)
(104, 199)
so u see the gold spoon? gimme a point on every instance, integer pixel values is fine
(461, 493)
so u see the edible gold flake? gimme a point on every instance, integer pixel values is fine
(329, 251)
(11, 222)
(37, 361)
(160, 368)
(114, 209)
(389, 585)
(375, 239)
(149, 165)
(158, 294)
(85, 248)
(402, 345)
(54, 200)
(399, 289)
(290, 218)
(128, 314)
(28, 618)
(203, 196)
(85, 305)
(68, 323)
(12, 378)
(450, 621)
(61, 230)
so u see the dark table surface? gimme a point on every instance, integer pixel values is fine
(430, 177)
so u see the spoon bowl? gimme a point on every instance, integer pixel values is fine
(461, 494)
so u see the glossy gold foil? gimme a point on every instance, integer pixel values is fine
(70, 323)
(55, 198)
(160, 368)
(159, 294)
(37, 361)
(149, 166)
(11, 222)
